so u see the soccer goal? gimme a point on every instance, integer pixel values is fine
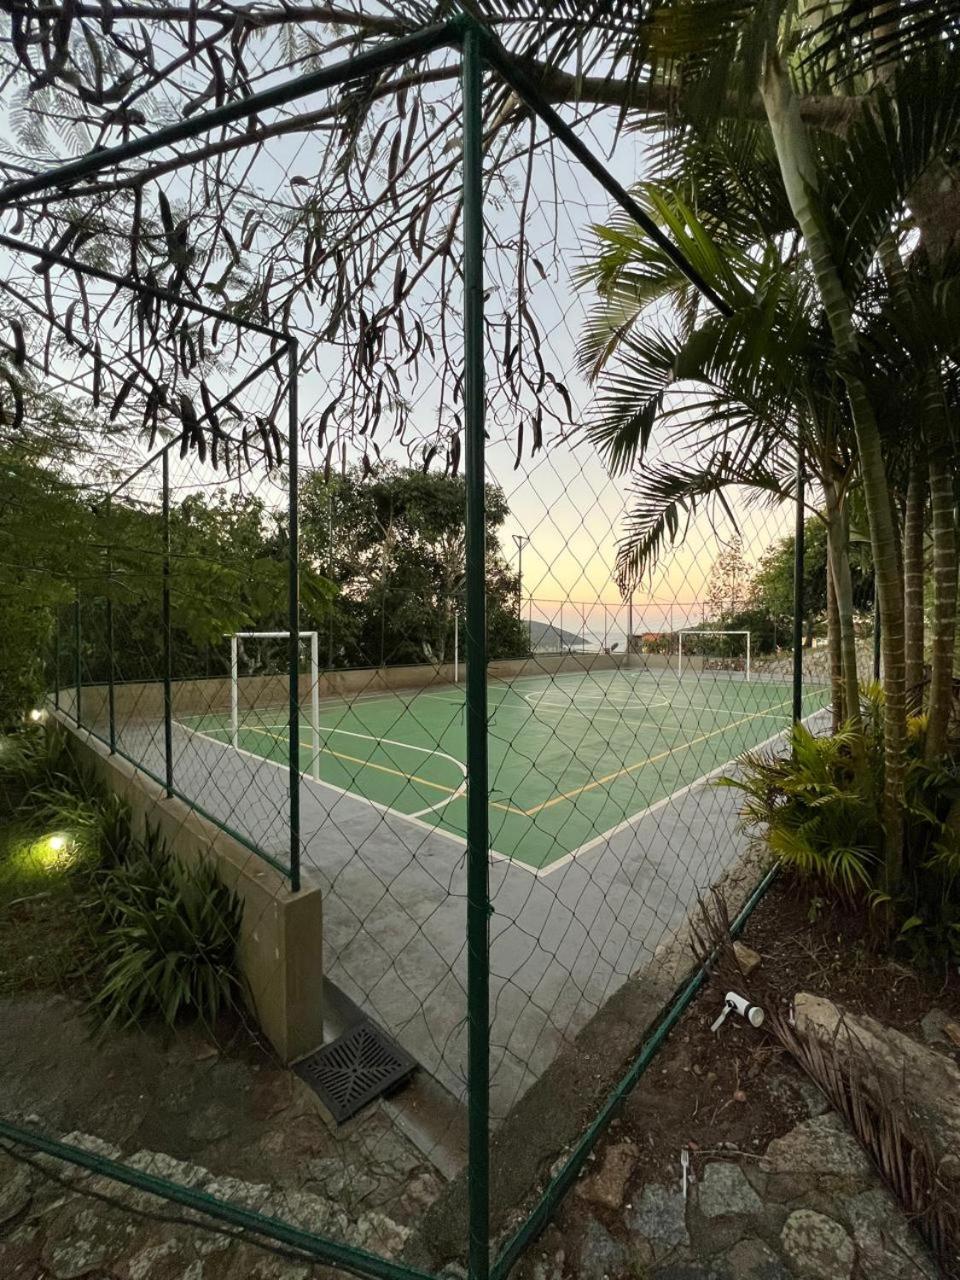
(264, 702)
(727, 657)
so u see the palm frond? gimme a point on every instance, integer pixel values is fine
(914, 122)
(863, 37)
(667, 497)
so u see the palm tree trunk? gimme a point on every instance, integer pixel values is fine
(913, 580)
(800, 181)
(944, 531)
(833, 649)
(838, 550)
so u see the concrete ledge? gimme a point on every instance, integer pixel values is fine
(552, 1115)
(143, 699)
(281, 934)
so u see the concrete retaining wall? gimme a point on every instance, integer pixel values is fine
(143, 700)
(281, 935)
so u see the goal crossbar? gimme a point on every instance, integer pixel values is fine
(314, 638)
(697, 631)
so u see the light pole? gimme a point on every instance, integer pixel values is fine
(520, 539)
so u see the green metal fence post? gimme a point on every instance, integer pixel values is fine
(78, 662)
(167, 632)
(56, 658)
(294, 605)
(478, 839)
(111, 670)
(798, 592)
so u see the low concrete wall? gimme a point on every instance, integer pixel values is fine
(281, 934)
(665, 662)
(143, 700)
(555, 664)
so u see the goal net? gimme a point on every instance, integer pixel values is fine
(260, 689)
(714, 651)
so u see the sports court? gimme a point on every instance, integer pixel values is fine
(573, 757)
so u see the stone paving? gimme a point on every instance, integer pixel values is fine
(60, 1229)
(810, 1207)
(243, 1129)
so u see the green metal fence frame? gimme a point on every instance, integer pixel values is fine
(480, 49)
(286, 346)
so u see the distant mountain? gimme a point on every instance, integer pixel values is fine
(547, 639)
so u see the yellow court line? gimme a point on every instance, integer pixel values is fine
(663, 755)
(369, 764)
(382, 768)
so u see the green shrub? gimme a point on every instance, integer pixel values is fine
(167, 940)
(99, 825)
(817, 810)
(32, 761)
(161, 935)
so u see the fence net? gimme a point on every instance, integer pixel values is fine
(639, 638)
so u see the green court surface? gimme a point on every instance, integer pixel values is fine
(572, 757)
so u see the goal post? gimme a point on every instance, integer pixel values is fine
(706, 632)
(314, 638)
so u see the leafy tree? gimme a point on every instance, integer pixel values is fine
(229, 571)
(395, 545)
(772, 585)
(875, 298)
(43, 526)
(729, 581)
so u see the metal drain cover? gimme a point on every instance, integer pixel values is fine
(352, 1071)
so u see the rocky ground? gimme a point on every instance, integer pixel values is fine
(810, 1206)
(776, 1187)
(237, 1126)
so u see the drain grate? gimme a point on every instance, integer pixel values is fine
(352, 1071)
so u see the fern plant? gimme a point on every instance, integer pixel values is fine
(808, 810)
(817, 811)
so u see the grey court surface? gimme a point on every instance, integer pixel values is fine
(562, 940)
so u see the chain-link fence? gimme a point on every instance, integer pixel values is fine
(473, 702)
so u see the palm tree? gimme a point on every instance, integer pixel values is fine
(848, 187)
(757, 383)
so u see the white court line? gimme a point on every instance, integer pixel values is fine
(342, 791)
(275, 730)
(605, 837)
(594, 713)
(409, 746)
(538, 873)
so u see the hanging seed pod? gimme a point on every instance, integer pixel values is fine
(19, 352)
(124, 391)
(265, 440)
(97, 374)
(537, 432)
(519, 455)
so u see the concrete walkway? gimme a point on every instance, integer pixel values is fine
(561, 941)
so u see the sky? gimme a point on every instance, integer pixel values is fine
(562, 502)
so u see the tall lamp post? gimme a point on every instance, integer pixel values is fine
(520, 539)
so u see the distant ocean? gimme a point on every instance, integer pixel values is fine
(600, 626)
